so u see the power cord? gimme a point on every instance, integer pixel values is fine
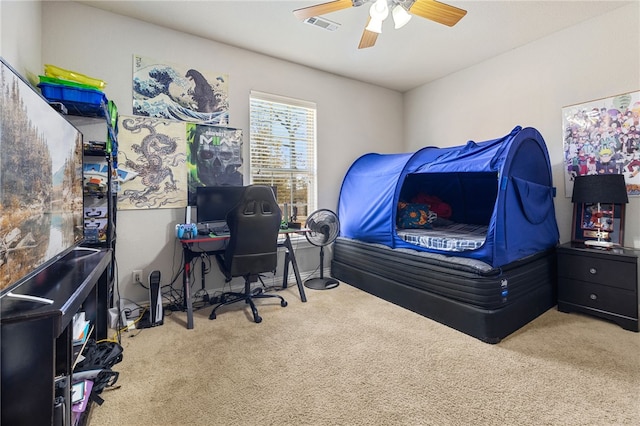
(117, 335)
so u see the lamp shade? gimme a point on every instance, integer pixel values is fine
(379, 10)
(400, 16)
(374, 25)
(609, 188)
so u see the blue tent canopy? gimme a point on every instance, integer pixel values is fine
(504, 183)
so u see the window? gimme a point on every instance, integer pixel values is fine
(282, 149)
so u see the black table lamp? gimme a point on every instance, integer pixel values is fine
(600, 189)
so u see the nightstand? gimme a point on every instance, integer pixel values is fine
(597, 282)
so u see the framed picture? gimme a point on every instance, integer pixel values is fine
(603, 137)
(587, 222)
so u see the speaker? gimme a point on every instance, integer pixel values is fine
(156, 314)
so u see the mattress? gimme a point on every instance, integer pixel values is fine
(471, 296)
(453, 237)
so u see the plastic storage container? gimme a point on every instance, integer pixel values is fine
(84, 101)
(62, 82)
(57, 72)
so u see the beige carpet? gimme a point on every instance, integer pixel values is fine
(348, 358)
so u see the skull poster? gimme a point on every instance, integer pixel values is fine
(214, 157)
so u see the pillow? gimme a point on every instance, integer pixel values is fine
(414, 215)
(436, 205)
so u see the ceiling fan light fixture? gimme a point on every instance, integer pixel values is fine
(374, 25)
(379, 10)
(400, 16)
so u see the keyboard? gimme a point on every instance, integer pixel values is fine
(220, 230)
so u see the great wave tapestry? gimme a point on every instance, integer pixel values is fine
(155, 149)
(179, 92)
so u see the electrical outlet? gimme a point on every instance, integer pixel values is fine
(137, 276)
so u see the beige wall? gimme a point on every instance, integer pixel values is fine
(529, 86)
(102, 44)
(20, 35)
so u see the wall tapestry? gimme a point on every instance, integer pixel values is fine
(155, 149)
(603, 137)
(178, 92)
(214, 157)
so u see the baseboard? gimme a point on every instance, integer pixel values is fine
(237, 285)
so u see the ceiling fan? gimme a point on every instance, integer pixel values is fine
(401, 10)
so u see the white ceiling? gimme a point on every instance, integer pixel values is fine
(403, 59)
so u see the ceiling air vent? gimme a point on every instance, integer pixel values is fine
(322, 23)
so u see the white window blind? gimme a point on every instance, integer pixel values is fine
(282, 149)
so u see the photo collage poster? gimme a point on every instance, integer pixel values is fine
(603, 137)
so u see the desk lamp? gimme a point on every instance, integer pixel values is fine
(600, 189)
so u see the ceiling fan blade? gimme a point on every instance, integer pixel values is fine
(368, 38)
(321, 9)
(438, 12)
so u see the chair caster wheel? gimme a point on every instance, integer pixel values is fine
(212, 316)
(283, 303)
(257, 319)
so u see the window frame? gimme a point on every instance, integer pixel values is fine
(304, 114)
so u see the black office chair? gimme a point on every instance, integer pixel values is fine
(252, 247)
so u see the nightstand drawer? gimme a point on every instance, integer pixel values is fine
(604, 298)
(598, 270)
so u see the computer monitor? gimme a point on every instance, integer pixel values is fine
(214, 202)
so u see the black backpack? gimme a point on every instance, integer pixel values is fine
(101, 356)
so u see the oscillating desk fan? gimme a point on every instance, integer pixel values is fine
(324, 227)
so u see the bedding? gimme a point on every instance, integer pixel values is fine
(454, 237)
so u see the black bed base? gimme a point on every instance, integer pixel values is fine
(488, 325)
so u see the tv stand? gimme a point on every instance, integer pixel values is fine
(36, 354)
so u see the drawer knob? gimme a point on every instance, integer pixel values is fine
(593, 296)
(593, 271)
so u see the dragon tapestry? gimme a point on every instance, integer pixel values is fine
(156, 150)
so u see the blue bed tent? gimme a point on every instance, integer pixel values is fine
(504, 183)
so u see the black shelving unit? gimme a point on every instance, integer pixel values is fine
(99, 123)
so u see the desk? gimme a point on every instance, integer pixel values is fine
(190, 255)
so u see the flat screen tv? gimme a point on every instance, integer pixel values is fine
(41, 205)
